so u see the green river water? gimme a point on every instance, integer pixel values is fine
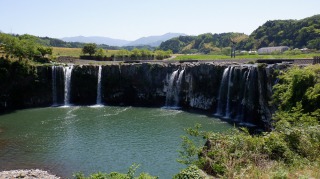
(92, 139)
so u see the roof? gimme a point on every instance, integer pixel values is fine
(274, 48)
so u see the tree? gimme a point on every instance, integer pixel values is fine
(89, 48)
(100, 52)
(45, 50)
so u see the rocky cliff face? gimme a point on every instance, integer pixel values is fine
(239, 93)
(22, 86)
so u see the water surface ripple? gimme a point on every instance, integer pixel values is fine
(71, 139)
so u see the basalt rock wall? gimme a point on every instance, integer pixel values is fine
(235, 92)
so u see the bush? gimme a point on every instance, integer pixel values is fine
(192, 172)
(116, 175)
(293, 145)
(293, 52)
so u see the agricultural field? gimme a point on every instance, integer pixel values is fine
(74, 52)
(61, 51)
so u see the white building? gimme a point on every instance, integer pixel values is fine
(268, 50)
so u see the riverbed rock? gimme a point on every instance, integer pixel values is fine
(27, 174)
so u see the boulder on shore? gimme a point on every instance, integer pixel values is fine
(27, 174)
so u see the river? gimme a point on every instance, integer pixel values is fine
(65, 140)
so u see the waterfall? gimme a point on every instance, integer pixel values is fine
(242, 95)
(174, 89)
(178, 88)
(54, 86)
(230, 85)
(222, 92)
(239, 94)
(99, 100)
(170, 89)
(67, 84)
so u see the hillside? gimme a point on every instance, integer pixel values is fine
(292, 33)
(204, 43)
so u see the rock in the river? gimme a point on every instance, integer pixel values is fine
(27, 174)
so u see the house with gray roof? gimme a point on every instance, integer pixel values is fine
(268, 50)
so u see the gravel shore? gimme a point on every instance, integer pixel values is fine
(27, 174)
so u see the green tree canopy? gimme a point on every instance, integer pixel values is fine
(101, 52)
(89, 48)
(24, 46)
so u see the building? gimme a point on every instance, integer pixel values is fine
(268, 50)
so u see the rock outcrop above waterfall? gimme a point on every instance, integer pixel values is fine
(236, 92)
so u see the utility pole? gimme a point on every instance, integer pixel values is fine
(233, 50)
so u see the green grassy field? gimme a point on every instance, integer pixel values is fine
(74, 52)
(60, 51)
(224, 57)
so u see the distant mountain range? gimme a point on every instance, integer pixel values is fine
(97, 40)
(153, 41)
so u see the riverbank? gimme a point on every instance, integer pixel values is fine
(27, 174)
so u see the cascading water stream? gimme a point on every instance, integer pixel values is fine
(67, 84)
(178, 88)
(54, 86)
(170, 89)
(221, 98)
(99, 100)
(230, 84)
(174, 89)
(242, 94)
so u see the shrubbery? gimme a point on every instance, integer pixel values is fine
(293, 145)
(142, 54)
(23, 47)
(115, 175)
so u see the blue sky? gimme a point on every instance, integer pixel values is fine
(132, 19)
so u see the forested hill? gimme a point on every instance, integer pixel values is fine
(203, 43)
(292, 33)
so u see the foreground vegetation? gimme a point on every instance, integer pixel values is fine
(291, 150)
(115, 175)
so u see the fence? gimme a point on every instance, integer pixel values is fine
(316, 59)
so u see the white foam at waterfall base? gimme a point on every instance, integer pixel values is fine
(97, 106)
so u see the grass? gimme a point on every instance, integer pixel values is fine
(224, 57)
(60, 51)
(74, 52)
